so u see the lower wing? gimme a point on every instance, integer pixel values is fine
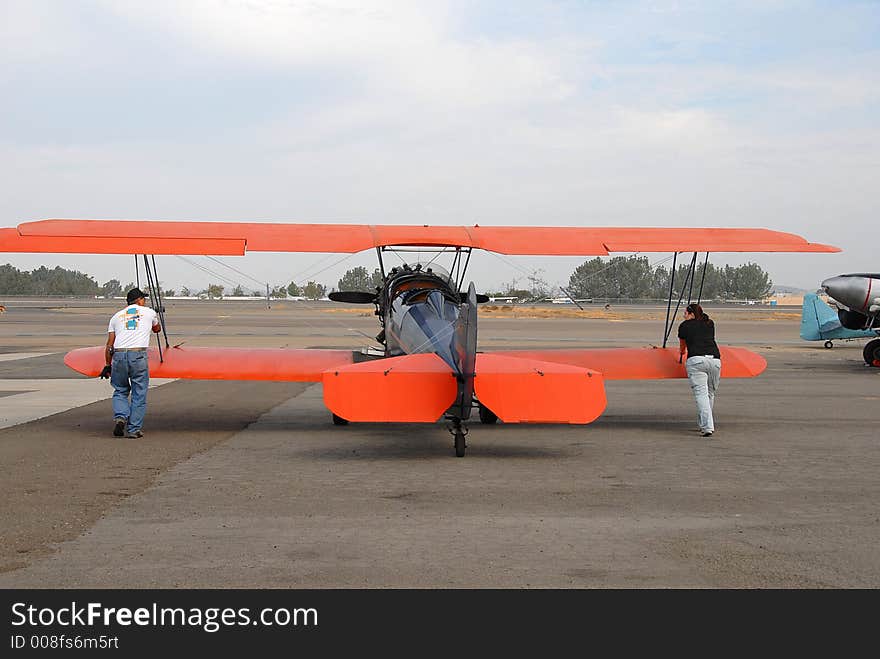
(303, 365)
(644, 363)
(519, 386)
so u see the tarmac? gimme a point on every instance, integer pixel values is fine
(249, 484)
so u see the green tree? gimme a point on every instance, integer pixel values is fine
(214, 291)
(112, 288)
(279, 292)
(13, 281)
(712, 283)
(360, 279)
(314, 290)
(238, 291)
(293, 290)
(750, 282)
(619, 277)
(59, 281)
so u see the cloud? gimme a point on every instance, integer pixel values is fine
(640, 113)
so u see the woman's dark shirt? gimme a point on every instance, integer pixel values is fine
(699, 337)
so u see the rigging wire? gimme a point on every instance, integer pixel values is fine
(302, 304)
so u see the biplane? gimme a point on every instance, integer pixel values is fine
(429, 367)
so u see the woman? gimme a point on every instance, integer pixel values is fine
(696, 336)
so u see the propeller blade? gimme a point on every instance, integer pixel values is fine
(353, 297)
(463, 296)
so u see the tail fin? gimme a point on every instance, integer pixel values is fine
(817, 318)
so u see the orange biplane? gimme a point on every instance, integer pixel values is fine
(429, 367)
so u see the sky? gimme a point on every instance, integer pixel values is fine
(568, 113)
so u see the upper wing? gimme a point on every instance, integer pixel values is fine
(237, 238)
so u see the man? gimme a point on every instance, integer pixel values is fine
(128, 337)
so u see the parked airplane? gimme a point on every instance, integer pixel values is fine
(428, 367)
(819, 322)
(859, 298)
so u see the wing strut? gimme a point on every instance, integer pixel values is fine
(688, 284)
(156, 298)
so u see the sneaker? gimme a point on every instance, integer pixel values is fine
(137, 434)
(706, 433)
(119, 428)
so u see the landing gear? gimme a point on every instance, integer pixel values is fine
(487, 416)
(339, 421)
(459, 431)
(871, 353)
(829, 345)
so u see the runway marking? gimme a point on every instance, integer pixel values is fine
(22, 401)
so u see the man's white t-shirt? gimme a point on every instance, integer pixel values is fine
(133, 326)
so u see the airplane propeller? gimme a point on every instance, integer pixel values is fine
(353, 297)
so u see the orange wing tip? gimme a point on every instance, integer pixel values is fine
(412, 388)
(88, 361)
(532, 391)
(741, 363)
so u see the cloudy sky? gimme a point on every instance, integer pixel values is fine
(654, 113)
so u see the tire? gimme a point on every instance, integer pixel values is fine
(871, 353)
(829, 345)
(339, 421)
(460, 445)
(487, 416)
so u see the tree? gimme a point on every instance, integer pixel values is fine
(112, 288)
(185, 292)
(314, 290)
(620, 277)
(59, 281)
(214, 291)
(238, 291)
(170, 292)
(293, 290)
(359, 279)
(633, 277)
(750, 282)
(279, 292)
(13, 281)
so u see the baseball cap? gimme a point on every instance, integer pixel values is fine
(134, 294)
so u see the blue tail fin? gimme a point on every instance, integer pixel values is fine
(817, 319)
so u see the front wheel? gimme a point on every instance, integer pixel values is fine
(871, 353)
(460, 444)
(829, 345)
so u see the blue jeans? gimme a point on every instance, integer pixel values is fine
(704, 372)
(130, 375)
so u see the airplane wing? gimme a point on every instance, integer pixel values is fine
(198, 363)
(519, 386)
(238, 238)
(643, 363)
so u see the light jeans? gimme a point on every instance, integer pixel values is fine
(130, 375)
(704, 372)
